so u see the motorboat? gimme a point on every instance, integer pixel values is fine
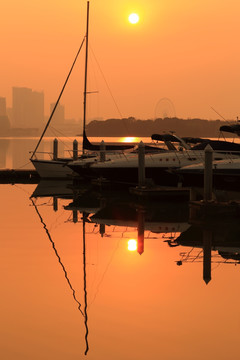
(159, 167)
(226, 173)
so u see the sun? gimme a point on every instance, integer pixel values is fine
(133, 18)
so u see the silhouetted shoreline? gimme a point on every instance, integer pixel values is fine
(131, 127)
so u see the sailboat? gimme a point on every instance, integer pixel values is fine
(56, 167)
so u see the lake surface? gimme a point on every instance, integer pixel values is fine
(101, 275)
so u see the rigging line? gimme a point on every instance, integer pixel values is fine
(217, 265)
(61, 133)
(85, 286)
(60, 95)
(59, 259)
(20, 188)
(219, 114)
(54, 132)
(104, 273)
(57, 222)
(106, 83)
(29, 162)
(45, 204)
(67, 140)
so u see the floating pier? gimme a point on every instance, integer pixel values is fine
(22, 176)
(176, 193)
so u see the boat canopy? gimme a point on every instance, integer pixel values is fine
(164, 137)
(193, 140)
(218, 145)
(87, 145)
(184, 141)
(234, 128)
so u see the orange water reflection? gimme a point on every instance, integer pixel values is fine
(138, 306)
(132, 245)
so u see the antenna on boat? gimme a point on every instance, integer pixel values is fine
(85, 79)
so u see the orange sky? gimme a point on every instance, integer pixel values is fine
(186, 51)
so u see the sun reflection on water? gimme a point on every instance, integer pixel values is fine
(132, 245)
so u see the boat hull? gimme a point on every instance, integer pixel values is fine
(225, 174)
(52, 169)
(127, 175)
(160, 168)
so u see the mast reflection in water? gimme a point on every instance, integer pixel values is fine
(66, 274)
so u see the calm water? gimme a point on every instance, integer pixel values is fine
(71, 286)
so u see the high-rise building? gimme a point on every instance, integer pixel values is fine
(3, 106)
(4, 120)
(27, 108)
(59, 114)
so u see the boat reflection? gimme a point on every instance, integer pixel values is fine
(50, 188)
(217, 243)
(214, 241)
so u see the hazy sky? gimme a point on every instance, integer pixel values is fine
(186, 51)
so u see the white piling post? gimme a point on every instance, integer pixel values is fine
(75, 149)
(141, 164)
(55, 149)
(102, 151)
(208, 173)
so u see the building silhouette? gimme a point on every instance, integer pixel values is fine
(4, 120)
(27, 108)
(59, 114)
(3, 106)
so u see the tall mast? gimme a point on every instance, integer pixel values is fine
(85, 80)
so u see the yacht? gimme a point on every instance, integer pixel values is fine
(226, 173)
(159, 167)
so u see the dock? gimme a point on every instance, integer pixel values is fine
(163, 192)
(19, 176)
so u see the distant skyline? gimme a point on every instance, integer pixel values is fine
(186, 52)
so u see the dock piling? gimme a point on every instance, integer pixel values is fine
(75, 149)
(140, 242)
(55, 203)
(141, 164)
(208, 173)
(55, 149)
(207, 247)
(102, 151)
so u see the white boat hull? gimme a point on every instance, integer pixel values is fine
(54, 169)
